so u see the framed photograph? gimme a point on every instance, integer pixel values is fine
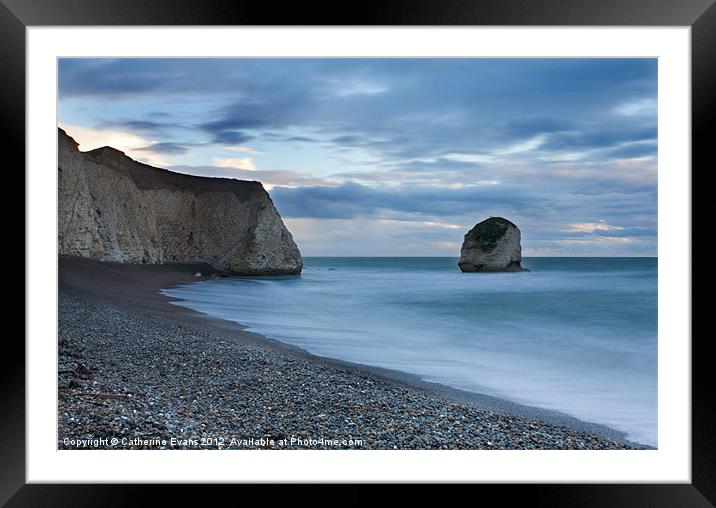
(407, 246)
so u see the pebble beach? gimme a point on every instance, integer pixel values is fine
(135, 372)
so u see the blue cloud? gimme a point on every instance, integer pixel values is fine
(528, 127)
(601, 137)
(146, 126)
(634, 150)
(426, 106)
(553, 132)
(354, 200)
(166, 148)
(230, 137)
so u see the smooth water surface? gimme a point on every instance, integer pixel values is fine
(578, 335)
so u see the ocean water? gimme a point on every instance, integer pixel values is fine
(578, 335)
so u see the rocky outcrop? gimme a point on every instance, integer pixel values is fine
(493, 245)
(113, 208)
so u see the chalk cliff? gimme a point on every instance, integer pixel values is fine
(113, 208)
(493, 245)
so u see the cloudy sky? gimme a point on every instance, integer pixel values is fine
(397, 156)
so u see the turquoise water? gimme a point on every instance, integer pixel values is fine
(578, 335)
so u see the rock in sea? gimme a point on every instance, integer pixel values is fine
(493, 245)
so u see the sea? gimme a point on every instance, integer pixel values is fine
(576, 335)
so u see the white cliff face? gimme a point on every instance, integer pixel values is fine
(113, 208)
(493, 245)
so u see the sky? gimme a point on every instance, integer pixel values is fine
(397, 157)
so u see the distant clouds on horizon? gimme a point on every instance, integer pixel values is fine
(397, 156)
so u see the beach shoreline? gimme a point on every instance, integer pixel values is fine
(135, 368)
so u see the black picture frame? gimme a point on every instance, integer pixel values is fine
(16, 15)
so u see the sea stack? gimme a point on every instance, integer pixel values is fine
(493, 245)
(113, 208)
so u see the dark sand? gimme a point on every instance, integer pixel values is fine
(210, 378)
